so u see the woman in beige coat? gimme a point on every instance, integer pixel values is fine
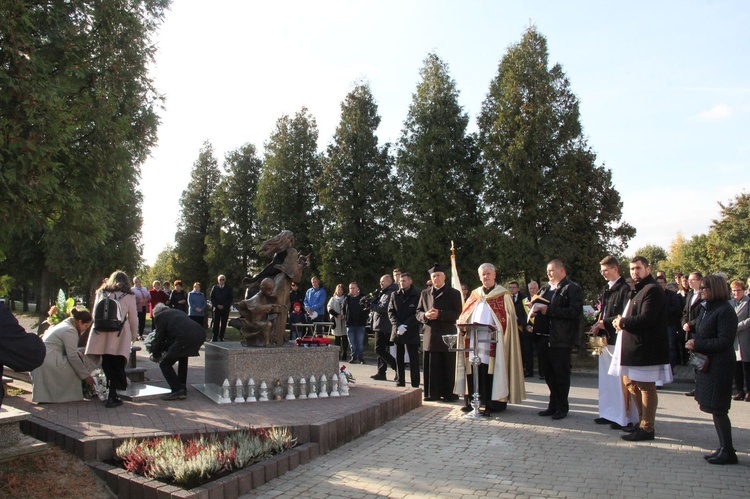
(58, 379)
(114, 347)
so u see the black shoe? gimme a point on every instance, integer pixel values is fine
(713, 454)
(724, 457)
(616, 426)
(379, 377)
(528, 375)
(546, 412)
(603, 421)
(559, 415)
(486, 413)
(178, 395)
(361, 360)
(630, 428)
(352, 360)
(402, 384)
(111, 403)
(691, 393)
(430, 399)
(467, 408)
(739, 396)
(541, 376)
(639, 435)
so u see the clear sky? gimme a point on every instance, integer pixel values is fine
(664, 87)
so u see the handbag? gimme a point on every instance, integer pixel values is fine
(699, 361)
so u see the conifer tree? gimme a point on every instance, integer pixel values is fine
(196, 225)
(545, 195)
(356, 196)
(438, 175)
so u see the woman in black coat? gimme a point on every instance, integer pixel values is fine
(715, 330)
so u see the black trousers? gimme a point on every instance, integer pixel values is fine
(176, 381)
(439, 374)
(141, 321)
(413, 363)
(556, 364)
(382, 348)
(343, 341)
(220, 323)
(114, 369)
(527, 351)
(742, 376)
(485, 389)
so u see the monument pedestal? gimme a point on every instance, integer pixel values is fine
(231, 361)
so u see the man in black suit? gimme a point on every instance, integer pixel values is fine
(439, 307)
(564, 313)
(644, 359)
(221, 301)
(690, 313)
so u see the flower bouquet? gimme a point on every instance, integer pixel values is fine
(61, 309)
(349, 376)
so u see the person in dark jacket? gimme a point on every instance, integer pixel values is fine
(19, 350)
(356, 317)
(564, 313)
(179, 298)
(177, 338)
(438, 309)
(674, 319)
(381, 327)
(221, 302)
(614, 406)
(714, 334)
(526, 338)
(402, 311)
(645, 347)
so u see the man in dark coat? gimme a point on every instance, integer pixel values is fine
(221, 303)
(645, 346)
(402, 311)
(177, 338)
(564, 313)
(381, 327)
(438, 309)
(19, 350)
(526, 337)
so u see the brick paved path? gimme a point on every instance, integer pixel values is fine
(432, 452)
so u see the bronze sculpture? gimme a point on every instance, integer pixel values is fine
(273, 297)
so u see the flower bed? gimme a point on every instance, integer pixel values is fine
(203, 458)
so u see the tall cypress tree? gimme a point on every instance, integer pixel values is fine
(196, 226)
(356, 196)
(286, 198)
(438, 175)
(546, 196)
(235, 252)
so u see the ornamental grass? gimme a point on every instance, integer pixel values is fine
(202, 458)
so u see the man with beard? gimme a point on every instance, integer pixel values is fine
(439, 307)
(644, 359)
(501, 370)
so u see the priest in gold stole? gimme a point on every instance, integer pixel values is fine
(501, 370)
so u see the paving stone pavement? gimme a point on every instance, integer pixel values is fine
(433, 452)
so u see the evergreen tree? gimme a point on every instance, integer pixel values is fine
(546, 197)
(438, 176)
(286, 198)
(196, 226)
(728, 244)
(235, 253)
(356, 196)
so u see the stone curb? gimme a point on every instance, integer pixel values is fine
(313, 440)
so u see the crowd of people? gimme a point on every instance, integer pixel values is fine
(649, 326)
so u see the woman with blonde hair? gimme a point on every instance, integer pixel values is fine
(58, 379)
(336, 309)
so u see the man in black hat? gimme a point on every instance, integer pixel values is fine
(438, 309)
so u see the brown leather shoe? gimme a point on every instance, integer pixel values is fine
(747, 397)
(739, 396)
